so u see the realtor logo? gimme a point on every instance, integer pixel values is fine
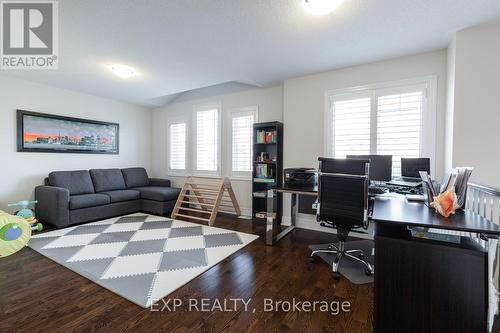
(29, 33)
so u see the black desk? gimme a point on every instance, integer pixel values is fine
(401, 212)
(420, 285)
(425, 285)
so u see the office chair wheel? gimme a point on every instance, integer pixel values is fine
(368, 272)
(312, 258)
(336, 275)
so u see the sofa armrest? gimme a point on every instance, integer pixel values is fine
(52, 205)
(159, 182)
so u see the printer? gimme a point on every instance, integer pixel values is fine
(301, 178)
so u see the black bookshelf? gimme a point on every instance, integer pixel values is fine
(267, 167)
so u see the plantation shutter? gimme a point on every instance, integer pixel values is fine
(177, 143)
(207, 140)
(241, 141)
(351, 126)
(399, 126)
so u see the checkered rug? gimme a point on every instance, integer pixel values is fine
(140, 257)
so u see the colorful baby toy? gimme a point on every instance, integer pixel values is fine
(15, 233)
(15, 230)
(27, 214)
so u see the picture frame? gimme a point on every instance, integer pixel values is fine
(49, 133)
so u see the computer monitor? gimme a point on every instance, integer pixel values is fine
(380, 166)
(410, 167)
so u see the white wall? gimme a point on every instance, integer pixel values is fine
(476, 118)
(304, 107)
(21, 172)
(268, 100)
(450, 103)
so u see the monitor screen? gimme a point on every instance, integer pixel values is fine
(411, 166)
(380, 166)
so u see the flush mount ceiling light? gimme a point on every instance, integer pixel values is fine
(122, 71)
(321, 7)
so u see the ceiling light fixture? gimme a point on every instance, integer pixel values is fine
(122, 71)
(321, 7)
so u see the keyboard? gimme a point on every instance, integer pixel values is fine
(405, 182)
(405, 190)
(374, 189)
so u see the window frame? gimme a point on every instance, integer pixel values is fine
(428, 144)
(200, 108)
(178, 172)
(233, 113)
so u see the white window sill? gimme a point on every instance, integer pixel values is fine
(241, 178)
(205, 174)
(176, 174)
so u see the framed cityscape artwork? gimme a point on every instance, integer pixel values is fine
(48, 133)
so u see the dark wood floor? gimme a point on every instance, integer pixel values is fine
(38, 295)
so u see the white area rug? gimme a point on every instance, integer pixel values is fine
(140, 257)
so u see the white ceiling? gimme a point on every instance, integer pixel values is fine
(181, 45)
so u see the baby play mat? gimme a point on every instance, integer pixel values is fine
(140, 257)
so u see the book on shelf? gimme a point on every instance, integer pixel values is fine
(264, 171)
(264, 180)
(264, 136)
(264, 157)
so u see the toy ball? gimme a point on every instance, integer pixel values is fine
(15, 233)
(10, 232)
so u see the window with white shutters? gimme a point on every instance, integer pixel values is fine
(383, 119)
(177, 144)
(351, 127)
(399, 126)
(207, 140)
(241, 140)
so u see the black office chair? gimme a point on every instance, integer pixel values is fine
(343, 204)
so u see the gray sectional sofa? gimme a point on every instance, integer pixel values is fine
(73, 197)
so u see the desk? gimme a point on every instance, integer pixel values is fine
(424, 285)
(272, 236)
(415, 214)
(420, 285)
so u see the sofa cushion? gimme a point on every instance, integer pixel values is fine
(158, 193)
(122, 195)
(88, 200)
(107, 179)
(135, 177)
(77, 182)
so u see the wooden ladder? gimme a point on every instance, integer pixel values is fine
(205, 196)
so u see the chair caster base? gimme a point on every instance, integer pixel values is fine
(336, 275)
(368, 272)
(312, 258)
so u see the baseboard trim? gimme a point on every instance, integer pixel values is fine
(246, 213)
